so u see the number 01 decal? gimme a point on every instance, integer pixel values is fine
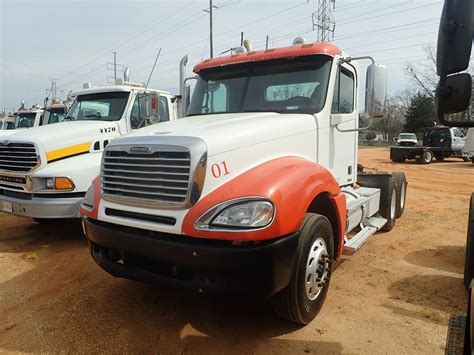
(219, 170)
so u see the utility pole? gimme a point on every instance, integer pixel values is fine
(266, 42)
(115, 66)
(211, 41)
(323, 20)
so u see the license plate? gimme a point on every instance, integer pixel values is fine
(6, 206)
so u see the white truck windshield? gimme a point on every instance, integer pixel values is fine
(284, 86)
(26, 120)
(105, 106)
(54, 115)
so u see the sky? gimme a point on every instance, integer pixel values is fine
(72, 40)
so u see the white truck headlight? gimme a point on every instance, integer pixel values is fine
(237, 215)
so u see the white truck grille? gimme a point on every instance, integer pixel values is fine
(148, 174)
(18, 157)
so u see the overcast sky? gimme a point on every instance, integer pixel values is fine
(72, 40)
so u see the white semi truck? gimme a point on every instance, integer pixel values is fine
(23, 119)
(257, 190)
(45, 171)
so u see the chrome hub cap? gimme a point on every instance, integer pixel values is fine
(317, 269)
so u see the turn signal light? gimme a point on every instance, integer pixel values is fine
(63, 183)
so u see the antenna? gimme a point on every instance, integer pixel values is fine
(323, 20)
(152, 69)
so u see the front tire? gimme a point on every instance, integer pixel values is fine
(45, 220)
(468, 261)
(303, 298)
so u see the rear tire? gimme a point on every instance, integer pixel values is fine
(466, 159)
(388, 204)
(303, 298)
(468, 261)
(439, 156)
(402, 186)
(425, 158)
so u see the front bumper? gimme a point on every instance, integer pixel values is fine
(41, 207)
(200, 264)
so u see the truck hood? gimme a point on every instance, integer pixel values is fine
(58, 136)
(226, 132)
(9, 132)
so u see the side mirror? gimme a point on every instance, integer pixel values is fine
(375, 90)
(457, 93)
(455, 34)
(149, 108)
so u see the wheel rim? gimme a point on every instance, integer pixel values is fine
(402, 195)
(317, 269)
(428, 157)
(393, 205)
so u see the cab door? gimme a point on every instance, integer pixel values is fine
(458, 139)
(344, 116)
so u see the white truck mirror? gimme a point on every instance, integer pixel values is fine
(149, 108)
(375, 90)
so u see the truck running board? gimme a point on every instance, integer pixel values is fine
(369, 227)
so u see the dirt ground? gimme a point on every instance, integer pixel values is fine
(393, 296)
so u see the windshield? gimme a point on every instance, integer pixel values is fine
(105, 106)
(438, 132)
(407, 136)
(290, 86)
(54, 115)
(26, 120)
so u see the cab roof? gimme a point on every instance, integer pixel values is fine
(269, 54)
(114, 88)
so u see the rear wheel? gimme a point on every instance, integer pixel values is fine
(426, 157)
(303, 298)
(401, 192)
(466, 159)
(439, 156)
(468, 261)
(388, 205)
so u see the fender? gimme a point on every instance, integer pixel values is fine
(95, 211)
(291, 183)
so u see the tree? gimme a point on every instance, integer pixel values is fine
(370, 136)
(424, 75)
(393, 119)
(420, 114)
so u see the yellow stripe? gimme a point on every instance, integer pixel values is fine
(65, 152)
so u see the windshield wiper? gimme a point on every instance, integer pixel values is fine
(71, 118)
(269, 110)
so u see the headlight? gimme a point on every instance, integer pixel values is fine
(53, 183)
(238, 215)
(88, 201)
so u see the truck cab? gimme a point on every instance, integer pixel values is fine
(45, 171)
(55, 113)
(24, 119)
(255, 190)
(7, 123)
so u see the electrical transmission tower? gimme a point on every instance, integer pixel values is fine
(323, 20)
(115, 70)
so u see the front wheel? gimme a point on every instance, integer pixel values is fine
(468, 261)
(45, 220)
(303, 298)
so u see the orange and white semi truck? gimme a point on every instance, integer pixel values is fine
(257, 189)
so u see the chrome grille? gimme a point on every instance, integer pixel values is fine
(18, 157)
(161, 175)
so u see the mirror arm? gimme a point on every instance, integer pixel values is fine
(349, 59)
(360, 129)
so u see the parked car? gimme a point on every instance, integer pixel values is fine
(407, 140)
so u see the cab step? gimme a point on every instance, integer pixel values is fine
(369, 227)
